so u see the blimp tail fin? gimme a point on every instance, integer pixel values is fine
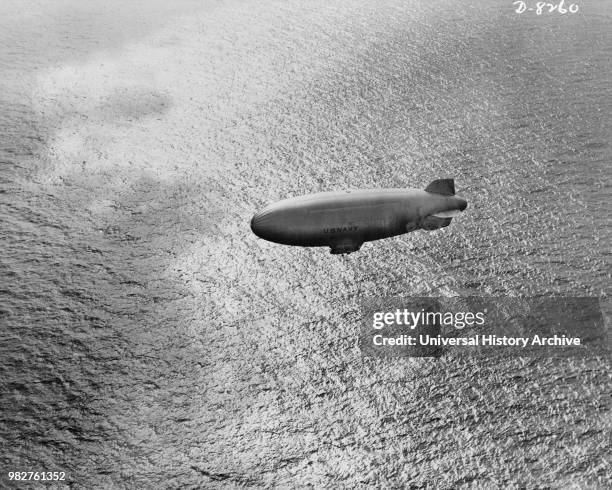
(446, 187)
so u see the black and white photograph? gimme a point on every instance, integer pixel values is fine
(305, 244)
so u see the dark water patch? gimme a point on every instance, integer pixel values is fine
(133, 103)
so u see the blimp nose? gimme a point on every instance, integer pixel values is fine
(262, 224)
(256, 224)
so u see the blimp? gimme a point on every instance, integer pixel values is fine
(345, 220)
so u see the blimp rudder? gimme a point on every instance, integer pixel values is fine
(445, 187)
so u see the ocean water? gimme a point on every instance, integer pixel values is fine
(150, 340)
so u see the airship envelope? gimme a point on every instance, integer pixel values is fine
(344, 220)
